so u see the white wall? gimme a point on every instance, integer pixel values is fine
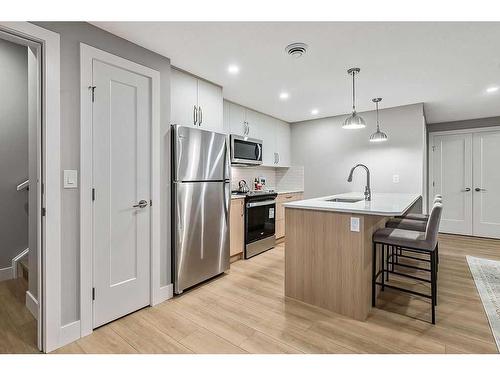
(328, 152)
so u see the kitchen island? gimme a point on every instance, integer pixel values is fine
(328, 248)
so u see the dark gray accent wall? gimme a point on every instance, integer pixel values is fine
(464, 124)
(72, 33)
(13, 150)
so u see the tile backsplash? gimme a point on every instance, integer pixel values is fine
(280, 179)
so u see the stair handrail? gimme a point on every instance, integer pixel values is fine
(23, 186)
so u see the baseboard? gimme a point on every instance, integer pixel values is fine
(69, 333)
(6, 273)
(32, 304)
(164, 293)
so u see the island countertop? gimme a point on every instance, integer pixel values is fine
(381, 204)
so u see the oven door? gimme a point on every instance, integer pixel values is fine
(246, 150)
(260, 220)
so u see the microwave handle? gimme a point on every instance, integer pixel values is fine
(259, 149)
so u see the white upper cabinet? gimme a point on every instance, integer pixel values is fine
(183, 99)
(283, 141)
(275, 134)
(237, 119)
(195, 102)
(210, 106)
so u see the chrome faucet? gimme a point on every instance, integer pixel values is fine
(368, 192)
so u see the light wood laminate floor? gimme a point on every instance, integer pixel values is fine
(245, 312)
(17, 325)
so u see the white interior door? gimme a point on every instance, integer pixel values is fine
(121, 125)
(452, 177)
(486, 184)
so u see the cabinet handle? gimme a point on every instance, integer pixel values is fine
(479, 189)
(195, 115)
(278, 156)
(248, 128)
(466, 190)
(201, 115)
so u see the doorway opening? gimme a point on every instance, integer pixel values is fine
(20, 192)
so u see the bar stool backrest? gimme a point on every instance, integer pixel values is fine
(432, 229)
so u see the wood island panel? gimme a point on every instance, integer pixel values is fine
(326, 264)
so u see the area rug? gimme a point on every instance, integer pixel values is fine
(486, 274)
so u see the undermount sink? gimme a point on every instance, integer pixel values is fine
(345, 200)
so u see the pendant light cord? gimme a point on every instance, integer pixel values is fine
(378, 126)
(353, 93)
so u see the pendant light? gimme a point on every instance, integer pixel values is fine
(378, 136)
(354, 121)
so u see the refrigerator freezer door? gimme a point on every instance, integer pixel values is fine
(201, 232)
(200, 155)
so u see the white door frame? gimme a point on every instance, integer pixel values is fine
(49, 279)
(430, 153)
(157, 293)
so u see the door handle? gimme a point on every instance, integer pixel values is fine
(479, 189)
(142, 204)
(466, 190)
(201, 115)
(195, 115)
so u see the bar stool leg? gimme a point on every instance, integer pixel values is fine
(433, 286)
(374, 272)
(389, 250)
(382, 264)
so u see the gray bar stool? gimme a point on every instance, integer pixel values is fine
(415, 222)
(421, 217)
(416, 242)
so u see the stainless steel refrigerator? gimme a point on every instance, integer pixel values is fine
(201, 194)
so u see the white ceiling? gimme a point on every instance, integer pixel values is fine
(448, 66)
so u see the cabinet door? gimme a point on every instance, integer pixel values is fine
(282, 144)
(237, 119)
(261, 127)
(254, 123)
(210, 106)
(184, 98)
(236, 236)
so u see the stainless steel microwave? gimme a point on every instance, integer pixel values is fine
(245, 151)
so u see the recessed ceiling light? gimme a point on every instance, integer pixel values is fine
(314, 111)
(284, 95)
(492, 89)
(233, 69)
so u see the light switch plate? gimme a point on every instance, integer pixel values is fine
(70, 179)
(395, 178)
(354, 224)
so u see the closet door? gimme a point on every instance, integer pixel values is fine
(452, 177)
(486, 184)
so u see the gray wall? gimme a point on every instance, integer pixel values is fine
(72, 33)
(464, 124)
(328, 152)
(13, 150)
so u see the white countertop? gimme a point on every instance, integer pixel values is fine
(383, 204)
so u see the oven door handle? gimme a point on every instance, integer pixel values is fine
(263, 203)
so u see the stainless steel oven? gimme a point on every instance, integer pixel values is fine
(260, 213)
(245, 151)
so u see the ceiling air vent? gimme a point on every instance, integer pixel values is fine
(296, 50)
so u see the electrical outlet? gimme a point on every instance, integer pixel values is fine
(354, 224)
(395, 178)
